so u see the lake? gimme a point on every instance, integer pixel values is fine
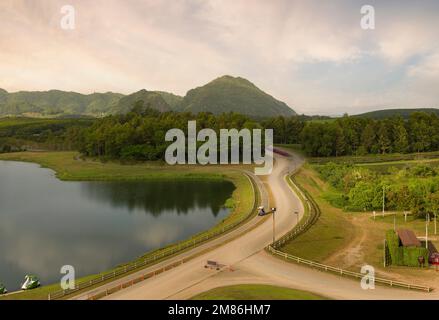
(46, 223)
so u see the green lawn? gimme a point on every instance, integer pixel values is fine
(67, 167)
(256, 292)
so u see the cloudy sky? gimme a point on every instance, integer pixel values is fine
(313, 55)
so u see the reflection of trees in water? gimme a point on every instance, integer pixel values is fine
(154, 197)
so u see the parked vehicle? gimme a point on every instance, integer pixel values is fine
(30, 282)
(3, 289)
(212, 265)
(261, 211)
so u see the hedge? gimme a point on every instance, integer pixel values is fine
(396, 254)
(404, 256)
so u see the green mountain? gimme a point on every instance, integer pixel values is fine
(171, 99)
(152, 99)
(387, 113)
(230, 94)
(55, 102)
(225, 94)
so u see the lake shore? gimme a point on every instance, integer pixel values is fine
(69, 167)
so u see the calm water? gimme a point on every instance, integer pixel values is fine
(46, 223)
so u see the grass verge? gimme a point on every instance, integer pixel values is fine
(332, 230)
(256, 292)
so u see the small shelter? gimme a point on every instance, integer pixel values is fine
(408, 238)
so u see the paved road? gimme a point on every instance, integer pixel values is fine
(246, 261)
(230, 254)
(235, 233)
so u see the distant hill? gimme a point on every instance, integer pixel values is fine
(230, 94)
(225, 94)
(388, 113)
(173, 100)
(149, 99)
(55, 102)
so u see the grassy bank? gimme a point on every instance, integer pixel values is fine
(68, 167)
(256, 292)
(332, 230)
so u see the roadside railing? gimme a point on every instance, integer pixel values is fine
(106, 292)
(313, 216)
(342, 272)
(314, 213)
(161, 254)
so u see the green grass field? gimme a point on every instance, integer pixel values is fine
(23, 121)
(351, 239)
(67, 167)
(256, 292)
(376, 158)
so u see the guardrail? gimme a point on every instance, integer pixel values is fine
(174, 249)
(346, 272)
(314, 213)
(134, 281)
(312, 218)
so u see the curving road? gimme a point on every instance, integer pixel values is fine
(246, 261)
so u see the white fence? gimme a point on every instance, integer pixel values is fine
(342, 272)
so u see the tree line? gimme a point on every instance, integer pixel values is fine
(140, 134)
(361, 136)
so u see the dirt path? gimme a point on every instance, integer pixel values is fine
(352, 254)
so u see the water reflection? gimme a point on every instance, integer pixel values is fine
(156, 197)
(46, 223)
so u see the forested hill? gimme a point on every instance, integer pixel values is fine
(61, 103)
(142, 99)
(56, 102)
(234, 94)
(388, 113)
(225, 94)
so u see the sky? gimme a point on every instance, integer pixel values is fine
(313, 55)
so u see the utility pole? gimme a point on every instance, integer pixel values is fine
(297, 217)
(427, 219)
(384, 199)
(273, 210)
(435, 221)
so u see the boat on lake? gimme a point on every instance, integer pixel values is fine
(30, 282)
